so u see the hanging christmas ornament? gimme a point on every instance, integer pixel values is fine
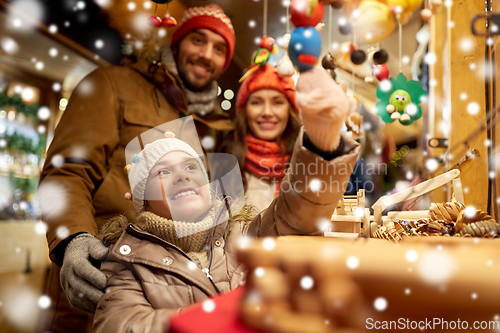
(328, 63)
(403, 9)
(343, 58)
(337, 4)
(400, 100)
(306, 12)
(304, 48)
(305, 42)
(381, 72)
(345, 28)
(267, 46)
(167, 22)
(154, 21)
(380, 57)
(426, 14)
(374, 21)
(354, 124)
(358, 57)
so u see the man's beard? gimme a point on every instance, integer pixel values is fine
(192, 85)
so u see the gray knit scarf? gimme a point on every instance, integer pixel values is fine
(190, 237)
(201, 102)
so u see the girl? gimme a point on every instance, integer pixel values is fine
(267, 125)
(181, 250)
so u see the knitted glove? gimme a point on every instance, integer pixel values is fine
(80, 279)
(324, 106)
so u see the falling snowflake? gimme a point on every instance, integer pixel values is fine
(62, 232)
(324, 224)
(99, 44)
(44, 301)
(208, 306)
(467, 44)
(380, 304)
(39, 65)
(131, 6)
(57, 161)
(411, 255)
(470, 212)
(431, 164)
(9, 45)
(268, 244)
(430, 58)
(244, 242)
(473, 108)
(307, 282)
(315, 185)
(436, 267)
(192, 266)
(352, 262)
(53, 52)
(140, 22)
(41, 228)
(407, 291)
(52, 198)
(56, 87)
(52, 28)
(259, 272)
(359, 212)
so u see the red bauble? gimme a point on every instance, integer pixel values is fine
(168, 22)
(154, 21)
(298, 13)
(381, 72)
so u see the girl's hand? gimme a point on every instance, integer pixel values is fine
(324, 107)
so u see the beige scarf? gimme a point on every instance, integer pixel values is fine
(190, 237)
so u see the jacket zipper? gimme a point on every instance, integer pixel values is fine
(207, 270)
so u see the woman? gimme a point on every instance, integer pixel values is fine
(267, 125)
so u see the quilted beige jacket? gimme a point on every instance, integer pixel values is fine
(150, 279)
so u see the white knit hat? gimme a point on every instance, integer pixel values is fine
(142, 163)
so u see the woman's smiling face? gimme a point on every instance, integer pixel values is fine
(267, 113)
(177, 188)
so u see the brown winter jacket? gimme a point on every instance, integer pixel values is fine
(107, 110)
(149, 279)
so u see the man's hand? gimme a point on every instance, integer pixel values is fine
(324, 107)
(81, 281)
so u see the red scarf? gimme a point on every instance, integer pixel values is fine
(264, 159)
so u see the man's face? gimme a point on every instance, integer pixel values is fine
(201, 57)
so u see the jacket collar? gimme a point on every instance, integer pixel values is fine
(147, 249)
(168, 83)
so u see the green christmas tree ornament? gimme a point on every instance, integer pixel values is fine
(400, 100)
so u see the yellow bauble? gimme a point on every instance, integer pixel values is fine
(375, 22)
(406, 5)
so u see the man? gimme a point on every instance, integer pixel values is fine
(83, 181)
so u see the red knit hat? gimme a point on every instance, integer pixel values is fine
(210, 17)
(266, 77)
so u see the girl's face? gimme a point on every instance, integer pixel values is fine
(267, 113)
(177, 188)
